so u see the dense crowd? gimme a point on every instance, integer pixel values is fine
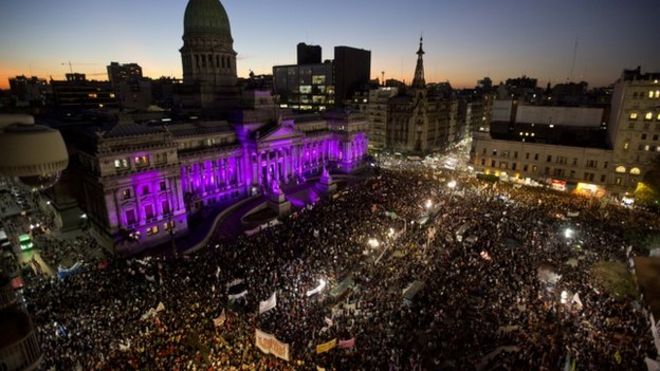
(477, 249)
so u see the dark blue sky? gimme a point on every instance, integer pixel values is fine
(464, 40)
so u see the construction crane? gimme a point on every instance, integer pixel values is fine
(70, 64)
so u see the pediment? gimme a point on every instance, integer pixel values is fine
(280, 132)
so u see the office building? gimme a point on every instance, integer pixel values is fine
(77, 94)
(308, 54)
(123, 72)
(28, 91)
(352, 72)
(308, 87)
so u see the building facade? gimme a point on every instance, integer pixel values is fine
(573, 146)
(352, 72)
(76, 94)
(141, 183)
(634, 127)
(308, 87)
(420, 118)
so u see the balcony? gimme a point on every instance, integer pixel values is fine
(19, 346)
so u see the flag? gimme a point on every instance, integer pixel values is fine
(217, 322)
(322, 348)
(346, 344)
(268, 304)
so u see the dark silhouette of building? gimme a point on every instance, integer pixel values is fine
(28, 91)
(76, 94)
(309, 87)
(123, 72)
(309, 54)
(352, 72)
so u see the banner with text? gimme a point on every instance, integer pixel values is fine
(268, 344)
(322, 348)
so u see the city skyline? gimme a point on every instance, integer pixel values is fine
(464, 42)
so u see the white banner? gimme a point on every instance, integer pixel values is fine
(317, 289)
(268, 304)
(239, 295)
(268, 344)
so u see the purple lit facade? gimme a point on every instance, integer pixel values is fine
(143, 182)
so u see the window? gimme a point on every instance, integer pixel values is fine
(605, 165)
(658, 117)
(620, 169)
(503, 165)
(149, 212)
(483, 152)
(513, 167)
(631, 125)
(575, 161)
(305, 89)
(592, 164)
(527, 156)
(130, 217)
(655, 137)
(650, 93)
(145, 190)
(318, 79)
(572, 174)
(549, 159)
(163, 186)
(515, 154)
(166, 207)
(547, 171)
(657, 93)
(633, 116)
(635, 171)
(626, 145)
(525, 168)
(644, 136)
(492, 163)
(126, 194)
(483, 162)
(648, 116)
(92, 95)
(618, 180)
(494, 152)
(602, 178)
(169, 225)
(121, 163)
(141, 160)
(536, 157)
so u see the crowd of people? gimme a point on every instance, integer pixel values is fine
(475, 251)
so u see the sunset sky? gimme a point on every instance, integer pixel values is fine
(464, 40)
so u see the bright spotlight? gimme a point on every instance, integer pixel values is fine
(451, 184)
(569, 233)
(373, 242)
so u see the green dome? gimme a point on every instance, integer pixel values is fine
(206, 17)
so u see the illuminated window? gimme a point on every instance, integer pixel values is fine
(657, 93)
(121, 163)
(650, 93)
(305, 89)
(92, 95)
(635, 171)
(633, 115)
(126, 194)
(318, 79)
(141, 160)
(647, 147)
(658, 117)
(648, 116)
(626, 145)
(620, 169)
(112, 95)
